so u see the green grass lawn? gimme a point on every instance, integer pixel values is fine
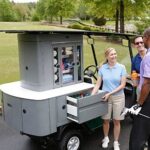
(8, 58)
(27, 26)
(9, 62)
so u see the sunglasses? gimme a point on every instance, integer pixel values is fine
(137, 43)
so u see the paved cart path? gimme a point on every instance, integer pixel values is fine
(94, 142)
(12, 140)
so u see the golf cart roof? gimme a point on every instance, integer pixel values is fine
(67, 32)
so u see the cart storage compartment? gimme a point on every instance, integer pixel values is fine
(32, 117)
(82, 106)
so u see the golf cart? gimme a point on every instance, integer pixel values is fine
(52, 99)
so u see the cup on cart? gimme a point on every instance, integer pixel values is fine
(135, 78)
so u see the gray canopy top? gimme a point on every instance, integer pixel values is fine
(88, 33)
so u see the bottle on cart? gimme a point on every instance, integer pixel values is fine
(135, 78)
(81, 95)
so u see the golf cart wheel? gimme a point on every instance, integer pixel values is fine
(34, 138)
(71, 140)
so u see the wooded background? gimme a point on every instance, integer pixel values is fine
(99, 12)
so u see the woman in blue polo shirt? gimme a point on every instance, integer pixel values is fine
(113, 76)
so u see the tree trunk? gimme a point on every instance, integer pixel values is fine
(121, 16)
(51, 19)
(117, 20)
(61, 19)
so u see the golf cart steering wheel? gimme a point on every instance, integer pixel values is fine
(90, 71)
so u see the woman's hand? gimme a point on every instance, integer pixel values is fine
(106, 96)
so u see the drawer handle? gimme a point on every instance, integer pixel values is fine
(24, 111)
(9, 105)
(63, 107)
(72, 63)
(78, 63)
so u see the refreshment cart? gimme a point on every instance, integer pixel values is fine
(51, 100)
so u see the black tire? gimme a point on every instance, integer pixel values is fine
(34, 139)
(75, 136)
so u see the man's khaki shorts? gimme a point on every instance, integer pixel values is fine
(116, 103)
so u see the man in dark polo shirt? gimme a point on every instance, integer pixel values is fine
(136, 61)
(141, 127)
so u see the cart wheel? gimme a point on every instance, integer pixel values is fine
(34, 139)
(71, 140)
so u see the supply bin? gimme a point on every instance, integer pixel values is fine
(82, 107)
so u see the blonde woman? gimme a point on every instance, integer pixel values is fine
(113, 75)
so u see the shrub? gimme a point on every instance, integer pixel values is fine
(86, 28)
(75, 26)
(141, 26)
(99, 21)
(85, 17)
(95, 29)
(35, 17)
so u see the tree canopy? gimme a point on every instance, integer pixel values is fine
(118, 10)
(127, 9)
(6, 11)
(55, 8)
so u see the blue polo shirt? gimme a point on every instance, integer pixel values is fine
(112, 77)
(136, 61)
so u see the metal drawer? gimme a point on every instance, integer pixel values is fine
(81, 109)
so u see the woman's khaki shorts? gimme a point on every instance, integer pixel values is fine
(116, 103)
